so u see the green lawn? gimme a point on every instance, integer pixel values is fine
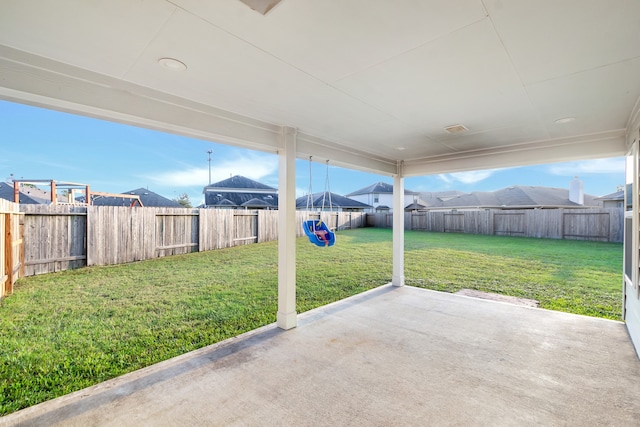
(567, 275)
(65, 331)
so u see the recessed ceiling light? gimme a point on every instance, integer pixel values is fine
(172, 64)
(565, 120)
(455, 129)
(400, 148)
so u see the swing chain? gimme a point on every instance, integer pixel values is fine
(310, 194)
(327, 189)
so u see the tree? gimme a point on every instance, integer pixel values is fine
(183, 199)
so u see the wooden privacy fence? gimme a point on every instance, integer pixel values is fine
(580, 224)
(66, 237)
(11, 246)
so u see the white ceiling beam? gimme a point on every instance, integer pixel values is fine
(339, 155)
(37, 81)
(596, 146)
(633, 126)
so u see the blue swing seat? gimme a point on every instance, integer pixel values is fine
(311, 226)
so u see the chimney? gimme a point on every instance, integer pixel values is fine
(576, 191)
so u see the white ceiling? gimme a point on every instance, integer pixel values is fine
(366, 83)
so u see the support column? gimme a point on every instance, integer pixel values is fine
(287, 226)
(398, 229)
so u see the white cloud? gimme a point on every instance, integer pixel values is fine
(470, 177)
(614, 165)
(255, 166)
(445, 178)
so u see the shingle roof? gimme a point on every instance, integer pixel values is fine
(147, 197)
(238, 199)
(337, 201)
(618, 195)
(518, 196)
(237, 182)
(435, 199)
(379, 188)
(237, 191)
(6, 192)
(414, 206)
(226, 202)
(256, 203)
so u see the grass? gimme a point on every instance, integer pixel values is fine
(65, 331)
(566, 275)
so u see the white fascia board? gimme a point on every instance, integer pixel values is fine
(341, 155)
(41, 82)
(594, 146)
(633, 125)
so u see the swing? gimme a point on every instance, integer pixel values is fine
(316, 230)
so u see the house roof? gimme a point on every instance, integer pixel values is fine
(28, 195)
(238, 183)
(617, 196)
(437, 198)
(147, 197)
(240, 191)
(337, 201)
(415, 206)
(226, 202)
(525, 196)
(378, 188)
(256, 203)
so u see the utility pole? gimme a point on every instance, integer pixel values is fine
(209, 152)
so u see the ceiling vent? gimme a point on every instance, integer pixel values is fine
(261, 6)
(455, 129)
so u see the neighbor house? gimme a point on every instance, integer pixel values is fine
(330, 201)
(517, 197)
(29, 195)
(146, 197)
(239, 192)
(380, 197)
(613, 200)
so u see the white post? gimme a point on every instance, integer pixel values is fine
(286, 318)
(397, 279)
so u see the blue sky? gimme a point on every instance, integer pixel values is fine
(43, 144)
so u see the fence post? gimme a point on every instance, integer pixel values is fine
(200, 230)
(86, 233)
(21, 222)
(8, 253)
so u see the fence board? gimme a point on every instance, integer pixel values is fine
(588, 224)
(267, 225)
(4, 277)
(119, 234)
(509, 223)
(616, 224)
(54, 238)
(216, 229)
(454, 222)
(177, 231)
(11, 246)
(63, 237)
(246, 227)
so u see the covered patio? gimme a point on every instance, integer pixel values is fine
(397, 88)
(391, 356)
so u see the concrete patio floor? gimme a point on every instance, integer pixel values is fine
(387, 357)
